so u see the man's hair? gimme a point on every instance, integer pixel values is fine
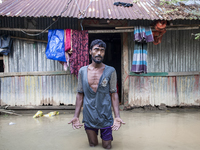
(98, 42)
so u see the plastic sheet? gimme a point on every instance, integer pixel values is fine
(55, 48)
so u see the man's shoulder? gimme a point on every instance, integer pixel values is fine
(110, 68)
(83, 68)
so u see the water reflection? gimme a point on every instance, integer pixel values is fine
(142, 131)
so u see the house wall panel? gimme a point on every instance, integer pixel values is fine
(38, 90)
(29, 57)
(178, 52)
(172, 91)
(35, 90)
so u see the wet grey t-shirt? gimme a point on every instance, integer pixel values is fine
(97, 112)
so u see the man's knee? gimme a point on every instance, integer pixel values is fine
(93, 144)
(92, 138)
(106, 145)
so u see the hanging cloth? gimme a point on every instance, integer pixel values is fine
(65, 64)
(55, 47)
(143, 33)
(80, 55)
(68, 47)
(5, 44)
(160, 31)
(68, 41)
(139, 64)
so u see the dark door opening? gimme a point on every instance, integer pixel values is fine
(113, 53)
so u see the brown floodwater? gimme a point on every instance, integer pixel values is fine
(143, 131)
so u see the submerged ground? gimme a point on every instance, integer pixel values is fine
(156, 130)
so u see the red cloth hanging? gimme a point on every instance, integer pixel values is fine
(67, 39)
(80, 55)
(157, 35)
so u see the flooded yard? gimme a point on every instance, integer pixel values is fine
(143, 131)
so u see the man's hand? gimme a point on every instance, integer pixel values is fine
(75, 123)
(117, 124)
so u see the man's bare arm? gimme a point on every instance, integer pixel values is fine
(79, 102)
(115, 104)
(117, 120)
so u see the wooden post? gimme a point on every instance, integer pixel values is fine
(125, 71)
(5, 62)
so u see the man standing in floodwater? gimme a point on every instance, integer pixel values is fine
(97, 92)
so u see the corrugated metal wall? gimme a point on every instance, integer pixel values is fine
(28, 57)
(178, 52)
(172, 91)
(152, 90)
(36, 90)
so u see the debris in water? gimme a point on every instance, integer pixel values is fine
(38, 114)
(12, 123)
(52, 114)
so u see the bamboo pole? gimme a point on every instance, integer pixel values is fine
(35, 73)
(103, 31)
(27, 39)
(167, 28)
(182, 26)
(19, 29)
(110, 31)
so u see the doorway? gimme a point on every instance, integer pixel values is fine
(112, 55)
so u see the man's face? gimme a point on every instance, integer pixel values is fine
(97, 53)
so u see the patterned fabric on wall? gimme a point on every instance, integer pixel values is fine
(80, 54)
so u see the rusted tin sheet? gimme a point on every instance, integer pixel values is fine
(140, 91)
(38, 90)
(188, 89)
(152, 91)
(101, 9)
(172, 91)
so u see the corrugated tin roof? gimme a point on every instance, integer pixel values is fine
(101, 9)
